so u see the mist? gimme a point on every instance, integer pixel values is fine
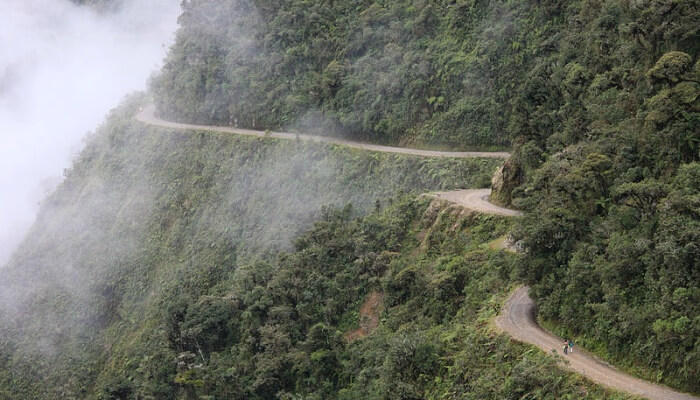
(62, 68)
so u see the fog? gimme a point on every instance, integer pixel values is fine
(62, 68)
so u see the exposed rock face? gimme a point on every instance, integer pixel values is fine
(506, 178)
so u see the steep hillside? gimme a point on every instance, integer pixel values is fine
(600, 100)
(147, 218)
(453, 73)
(425, 73)
(198, 321)
(279, 328)
(610, 182)
(191, 265)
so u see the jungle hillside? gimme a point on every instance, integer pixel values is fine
(189, 264)
(598, 99)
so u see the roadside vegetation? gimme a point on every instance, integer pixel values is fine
(275, 328)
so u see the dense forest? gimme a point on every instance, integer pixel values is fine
(436, 73)
(599, 99)
(147, 215)
(408, 72)
(611, 188)
(613, 224)
(153, 286)
(192, 265)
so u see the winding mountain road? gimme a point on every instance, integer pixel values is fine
(518, 315)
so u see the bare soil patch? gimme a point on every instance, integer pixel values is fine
(369, 316)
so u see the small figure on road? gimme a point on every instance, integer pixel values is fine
(566, 346)
(571, 346)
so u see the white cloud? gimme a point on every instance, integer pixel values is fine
(62, 67)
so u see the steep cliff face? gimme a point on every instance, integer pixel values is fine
(181, 265)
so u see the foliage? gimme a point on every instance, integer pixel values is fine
(175, 248)
(438, 73)
(149, 220)
(269, 328)
(613, 224)
(394, 72)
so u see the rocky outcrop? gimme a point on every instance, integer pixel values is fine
(507, 177)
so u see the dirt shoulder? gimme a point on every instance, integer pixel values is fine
(369, 316)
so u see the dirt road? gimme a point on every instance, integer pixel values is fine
(518, 320)
(477, 200)
(147, 116)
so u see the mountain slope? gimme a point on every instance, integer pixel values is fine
(167, 262)
(145, 213)
(390, 72)
(599, 99)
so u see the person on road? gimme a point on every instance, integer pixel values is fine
(566, 346)
(571, 346)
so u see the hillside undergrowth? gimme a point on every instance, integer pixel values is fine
(144, 211)
(275, 328)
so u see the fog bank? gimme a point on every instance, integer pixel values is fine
(62, 67)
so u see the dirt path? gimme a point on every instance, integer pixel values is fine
(518, 320)
(477, 200)
(147, 116)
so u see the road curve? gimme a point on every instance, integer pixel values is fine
(518, 320)
(477, 200)
(147, 116)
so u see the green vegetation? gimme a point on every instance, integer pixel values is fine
(599, 98)
(273, 327)
(196, 265)
(409, 72)
(145, 211)
(611, 197)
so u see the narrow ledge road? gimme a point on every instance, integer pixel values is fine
(518, 315)
(476, 200)
(147, 116)
(518, 320)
